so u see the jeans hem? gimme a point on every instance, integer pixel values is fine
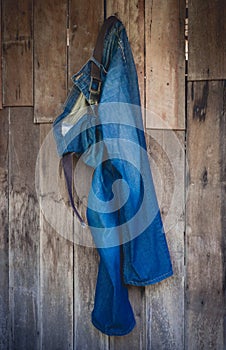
(152, 281)
(114, 332)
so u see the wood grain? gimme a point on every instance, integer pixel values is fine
(165, 64)
(4, 244)
(86, 261)
(56, 259)
(50, 58)
(1, 56)
(137, 338)
(165, 300)
(206, 35)
(86, 336)
(17, 53)
(205, 303)
(48, 275)
(23, 230)
(84, 25)
(223, 193)
(131, 13)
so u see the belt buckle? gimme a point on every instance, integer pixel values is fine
(94, 93)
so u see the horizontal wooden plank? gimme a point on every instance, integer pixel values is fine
(23, 230)
(4, 243)
(165, 300)
(17, 53)
(131, 13)
(205, 233)
(50, 58)
(165, 64)
(206, 36)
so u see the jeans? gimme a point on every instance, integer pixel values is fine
(123, 212)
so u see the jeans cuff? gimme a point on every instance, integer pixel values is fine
(114, 332)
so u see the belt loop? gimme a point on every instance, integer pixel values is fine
(98, 64)
(94, 90)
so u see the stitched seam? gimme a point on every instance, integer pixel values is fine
(157, 279)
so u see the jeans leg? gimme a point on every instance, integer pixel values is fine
(112, 313)
(146, 257)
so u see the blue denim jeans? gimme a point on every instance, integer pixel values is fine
(123, 212)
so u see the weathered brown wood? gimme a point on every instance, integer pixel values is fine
(23, 230)
(131, 13)
(165, 300)
(206, 35)
(1, 56)
(86, 336)
(4, 246)
(50, 58)
(205, 302)
(84, 24)
(223, 193)
(85, 275)
(165, 64)
(137, 338)
(17, 53)
(56, 256)
(47, 289)
(56, 294)
(86, 261)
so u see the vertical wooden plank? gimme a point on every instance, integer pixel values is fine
(206, 38)
(165, 64)
(131, 13)
(56, 260)
(56, 294)
(84, 24)
(205, 298)
(50, 58)
(23, 230)
(17, 53)
(137, 338)
(1, 55)
(4, 246)
(86, 261)
(86, 336)
(223, 196)
(165, 300)
(68, 267)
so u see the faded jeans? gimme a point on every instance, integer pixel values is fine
(122, 212)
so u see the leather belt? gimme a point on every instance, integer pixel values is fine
(95, 83)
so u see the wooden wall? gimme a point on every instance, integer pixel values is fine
(47, 283)
(206, 147)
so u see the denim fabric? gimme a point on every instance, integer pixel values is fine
(123, 212)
